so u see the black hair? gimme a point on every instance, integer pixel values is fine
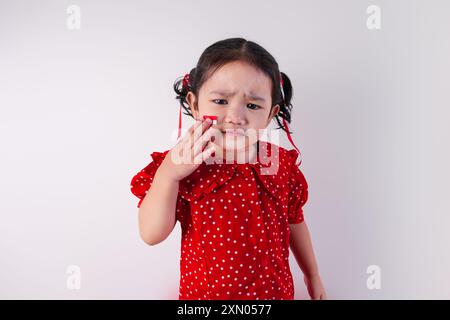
(237, 49)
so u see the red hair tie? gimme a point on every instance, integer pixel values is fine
(186, 81)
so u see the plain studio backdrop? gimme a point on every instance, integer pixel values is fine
(82, 109)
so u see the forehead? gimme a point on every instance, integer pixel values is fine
(241, 77)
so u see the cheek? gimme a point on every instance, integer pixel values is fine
(209, 108)
(259, 120)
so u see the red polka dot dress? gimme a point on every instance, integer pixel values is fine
(235, 225)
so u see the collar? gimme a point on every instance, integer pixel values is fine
(265, 169)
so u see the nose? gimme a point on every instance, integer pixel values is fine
(236, 116)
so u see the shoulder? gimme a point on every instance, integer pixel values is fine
(156, 158)
(288, 164)
(159, 155)
(287, 158)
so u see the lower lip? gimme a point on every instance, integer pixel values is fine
(234, 134)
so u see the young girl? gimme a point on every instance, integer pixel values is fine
(238, 218)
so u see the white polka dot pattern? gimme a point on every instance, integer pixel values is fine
(235, 226)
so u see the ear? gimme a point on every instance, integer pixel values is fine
(273, 113)
(192, 101)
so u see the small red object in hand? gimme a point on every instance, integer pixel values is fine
(213, 118)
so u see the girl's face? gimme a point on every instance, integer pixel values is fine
(240, 96)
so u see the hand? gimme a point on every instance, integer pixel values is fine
(189, 152)
(315, 288)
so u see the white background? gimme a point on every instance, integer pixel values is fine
(81, 111)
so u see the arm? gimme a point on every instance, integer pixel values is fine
(157, 210)
(157, 213)
(301, 246)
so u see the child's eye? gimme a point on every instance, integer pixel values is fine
(218, 100)
(255, 107)
(250, 105)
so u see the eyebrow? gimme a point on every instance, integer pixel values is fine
(232, 93)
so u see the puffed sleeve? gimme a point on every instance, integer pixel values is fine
(142, 181)
(297, 191)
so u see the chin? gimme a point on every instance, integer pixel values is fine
(233, 143)
(230, 143)
(238, 145)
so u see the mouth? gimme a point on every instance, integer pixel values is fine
(234, 132)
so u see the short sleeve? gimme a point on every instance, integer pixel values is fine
(297, 194)
(142, 181)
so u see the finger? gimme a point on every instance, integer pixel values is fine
(187, 140)
(208, 153)
(194, 134)
(187, 153)
(200, 144)
(200, 130)
(205, 154)
(188, 134)
(182, 147)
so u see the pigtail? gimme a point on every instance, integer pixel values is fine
(284, 98)
(182, 86)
